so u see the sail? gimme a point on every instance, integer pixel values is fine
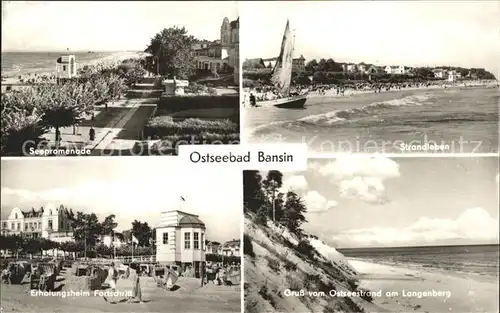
(282, 72)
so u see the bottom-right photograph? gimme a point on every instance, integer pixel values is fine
(359, 234)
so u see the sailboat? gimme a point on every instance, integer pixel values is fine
(282, 77)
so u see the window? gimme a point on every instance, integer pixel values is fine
(50, 224)
(39, 225)
(16, 216)
(12, 226)
(196, 241)
(26, 227)
(4, 225)
(61, 225)
(18, 226)
(64, 68)
(165, 238)
(187, 240)
(202, 241)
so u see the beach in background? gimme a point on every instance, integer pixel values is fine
(15, 64)
(367, 120)
(469, 274)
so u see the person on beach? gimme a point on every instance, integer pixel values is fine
(252, 100)
(136, 287)
(92, 134)
(113, 278)
(58, 136)
(202, 273)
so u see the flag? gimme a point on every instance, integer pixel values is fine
(135, 240)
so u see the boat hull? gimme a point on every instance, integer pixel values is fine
(285, 103)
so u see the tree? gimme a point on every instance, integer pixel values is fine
(132, 71)
(65, 105)
(86, 229)
(171, 49)
(293, 213)
(108, 225)
(272, 183)
(311, 65)
(116, 87)
(253, 195)
(143, 233)
(20, 121)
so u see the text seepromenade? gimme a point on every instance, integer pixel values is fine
(250, 156)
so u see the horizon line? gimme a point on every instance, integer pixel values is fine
(420, 246)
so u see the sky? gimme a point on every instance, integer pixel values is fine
(105, 25)
(130, 188)
(413, 33)
(380, 202)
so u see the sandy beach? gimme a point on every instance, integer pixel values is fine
(414, 290)
(110, 59)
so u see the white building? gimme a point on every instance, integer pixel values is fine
(220, 55)
(51, 222)
(180, 239)
(397, 69)
(213, 248)
(66, 67)
(453, 76)
(231, 248)
(440, 73)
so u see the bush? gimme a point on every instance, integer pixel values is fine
(219, 258)
(176, 104)
(305, 248)
(163, 126)
(248, 246)
(273, 264)
(290, 266)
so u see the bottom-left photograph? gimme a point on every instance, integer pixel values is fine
(118, 235)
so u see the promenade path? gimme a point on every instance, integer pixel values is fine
(117, 128)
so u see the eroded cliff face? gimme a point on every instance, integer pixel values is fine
(284, 273)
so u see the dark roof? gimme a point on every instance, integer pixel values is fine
(232, 243)
(32, 213)
(235, 24)
(191, 220)
(60, 61)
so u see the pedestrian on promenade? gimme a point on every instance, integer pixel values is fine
(92, 134)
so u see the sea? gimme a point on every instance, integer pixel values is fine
(457, 120)
(481, 260)
(22, 63)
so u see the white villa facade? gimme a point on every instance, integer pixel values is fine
(51, 222)
(180, 239)
(217, 56)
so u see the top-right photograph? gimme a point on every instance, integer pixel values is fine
(372, 77)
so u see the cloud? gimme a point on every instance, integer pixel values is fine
(316, 203)
(471, 224)
(296, 183)
(361, 178)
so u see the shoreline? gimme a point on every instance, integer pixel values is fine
(404, 288)
(115, 57)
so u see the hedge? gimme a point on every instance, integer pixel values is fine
(162, 126)
(181, 103)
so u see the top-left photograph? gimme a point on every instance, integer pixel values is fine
(132, 78)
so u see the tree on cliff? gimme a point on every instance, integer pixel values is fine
(172, 53)
(293, 213)
(253, 194)
(272, 184)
